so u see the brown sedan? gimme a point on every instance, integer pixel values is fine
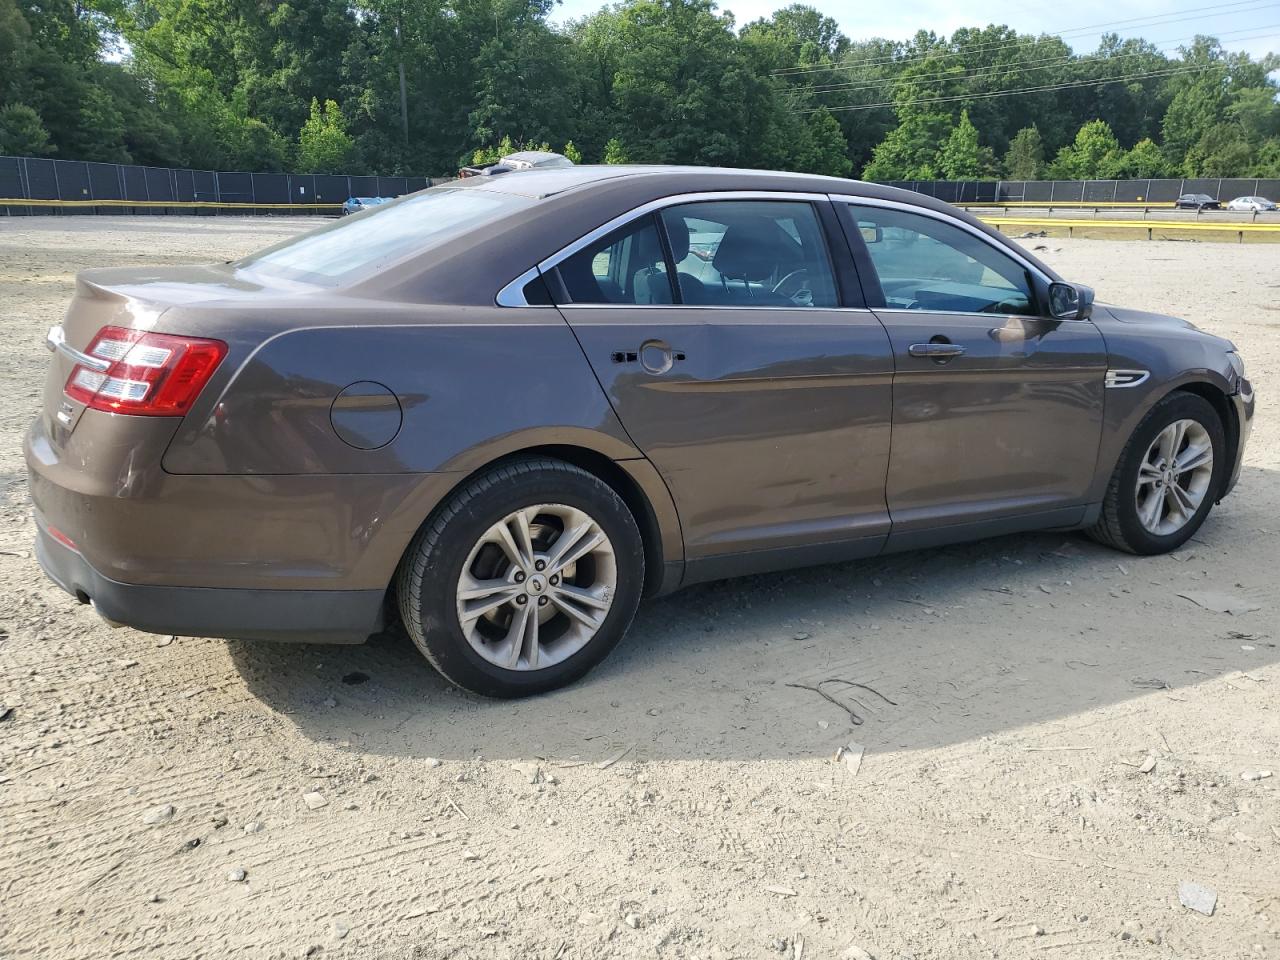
(506, 408)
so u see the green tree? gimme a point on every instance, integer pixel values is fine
(615, 152)
(572, 152)
(1025, 158)
(822, 147)
(1145, 161)
(323, 144)
(1094, 154)
(910, 151)
(961, 157)
(22, 134)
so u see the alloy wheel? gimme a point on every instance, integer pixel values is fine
(1174, 477)
(536, 587)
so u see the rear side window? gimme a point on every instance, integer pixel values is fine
(750, 253)
(626, 266)
(927, 264)
(383, 235)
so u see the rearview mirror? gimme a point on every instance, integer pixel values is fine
(871, 232)
(1070, 301)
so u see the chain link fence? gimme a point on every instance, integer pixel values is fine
(75, 186)
(61, 186)
(1084, 192)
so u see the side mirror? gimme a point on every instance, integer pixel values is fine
(1070, 301)
(871, 232)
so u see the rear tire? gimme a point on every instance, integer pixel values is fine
(1154, 504)
(485, 591)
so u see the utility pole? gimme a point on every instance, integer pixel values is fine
(404, 97)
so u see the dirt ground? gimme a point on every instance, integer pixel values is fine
(683, 801)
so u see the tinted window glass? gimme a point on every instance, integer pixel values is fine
(927, 264)
(383, 235)
(627, 266)
(750, 253)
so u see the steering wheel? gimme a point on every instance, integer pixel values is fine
(795, 291)
(1006, 306)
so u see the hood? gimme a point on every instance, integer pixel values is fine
(1146, 318)
(1157, 323)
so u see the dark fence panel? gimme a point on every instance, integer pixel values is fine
(235, 187)
(104, 181)
(42, 180)
(1034, 190)
(1236, 188)
(159, 183)
(32, 178)
(1132, 191)
(1086, 191)
(302, 188)
(270, 188)
(1165, 191)
(1100, 190)
(204, 185)
(331, 188)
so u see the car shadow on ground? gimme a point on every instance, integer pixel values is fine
(948, 645)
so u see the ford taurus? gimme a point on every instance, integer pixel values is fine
(504, 409)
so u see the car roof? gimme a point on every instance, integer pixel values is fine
(537, 184)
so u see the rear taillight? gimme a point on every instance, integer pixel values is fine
(146, 374)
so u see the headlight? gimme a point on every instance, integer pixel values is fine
(1236, 364)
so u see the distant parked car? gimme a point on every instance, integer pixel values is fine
(356, 204)
(1256, 204)
(523, 160)
(1196, 201)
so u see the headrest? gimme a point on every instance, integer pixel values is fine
(748, 250)
(647, 250)
(678, 234)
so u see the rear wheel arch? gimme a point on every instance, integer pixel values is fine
(657, 542)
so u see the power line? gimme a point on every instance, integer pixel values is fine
(853, 107)
(986, 71)
(1174, 16)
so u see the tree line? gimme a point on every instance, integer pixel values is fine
(419, 87)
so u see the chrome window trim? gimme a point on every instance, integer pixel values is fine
(988, 317)
(707, 306)
(511, 295)
(942, 217)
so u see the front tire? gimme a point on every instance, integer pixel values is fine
(523, 580)
(1169, 476)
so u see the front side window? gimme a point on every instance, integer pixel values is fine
(384, 235)
(927, 264)
(750, 253)
(626, 266)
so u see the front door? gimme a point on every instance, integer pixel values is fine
(997, 410)
(718, 331)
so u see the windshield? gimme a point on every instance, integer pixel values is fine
(385, 234)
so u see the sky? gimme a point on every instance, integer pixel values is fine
(1251, 25)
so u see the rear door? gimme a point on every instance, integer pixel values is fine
(727, 339)
(997, 409)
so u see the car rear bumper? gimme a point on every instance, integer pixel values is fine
(311, 616)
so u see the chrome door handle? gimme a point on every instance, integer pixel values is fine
(935, 350)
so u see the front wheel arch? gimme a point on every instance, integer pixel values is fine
(1226, 412)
